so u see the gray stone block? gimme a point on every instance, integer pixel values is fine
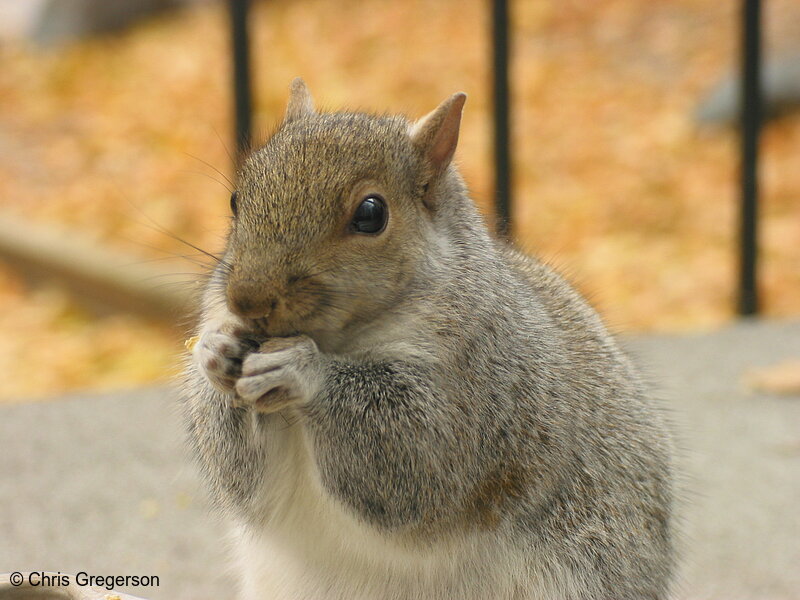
(780, 88)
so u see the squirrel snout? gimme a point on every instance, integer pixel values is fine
(244, 303)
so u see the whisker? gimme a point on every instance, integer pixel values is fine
(166, 231)
(208, 164)
(224, 145)
(194, 276)
(168, 285)
(192, 259)
(214, 179)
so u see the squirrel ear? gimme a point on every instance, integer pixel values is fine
(300, 102)
(436, 134)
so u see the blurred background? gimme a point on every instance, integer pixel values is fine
(117, 152)
(116, 142)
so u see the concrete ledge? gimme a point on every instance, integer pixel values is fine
(96, 275)
(101, 484)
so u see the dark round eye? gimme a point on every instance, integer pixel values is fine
(370, 216)
(234, 207)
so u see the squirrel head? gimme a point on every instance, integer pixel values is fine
(334, 215)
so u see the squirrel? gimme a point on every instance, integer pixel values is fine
(390, 403)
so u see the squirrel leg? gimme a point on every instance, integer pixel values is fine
(227, 442)
(389, 445)
(227, 439)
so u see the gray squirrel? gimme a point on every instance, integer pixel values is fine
(390, 404)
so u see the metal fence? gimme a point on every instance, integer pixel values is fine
(747, 297)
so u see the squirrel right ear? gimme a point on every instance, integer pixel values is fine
(300, 102)
(436, 134)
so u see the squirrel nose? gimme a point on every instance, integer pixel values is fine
(250, 306)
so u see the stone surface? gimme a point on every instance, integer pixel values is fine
(101, 484)
(780, 80)
(49, 22)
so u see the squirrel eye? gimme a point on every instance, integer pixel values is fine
(370, 216)
(234, 207)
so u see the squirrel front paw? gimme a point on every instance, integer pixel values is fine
(283, 372)
(219, 354)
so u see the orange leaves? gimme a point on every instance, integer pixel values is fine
(613, 181)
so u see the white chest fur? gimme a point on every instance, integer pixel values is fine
(310, 548)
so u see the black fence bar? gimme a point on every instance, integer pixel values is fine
(239, 10)
(751, 127)
(502, 141)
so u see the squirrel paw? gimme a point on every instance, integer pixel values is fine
(219, 355)
(284, 371)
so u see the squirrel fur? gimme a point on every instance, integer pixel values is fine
(422, 413)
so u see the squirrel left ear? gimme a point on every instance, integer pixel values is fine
(436, 134)
(300, 102)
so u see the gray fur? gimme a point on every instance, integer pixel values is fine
(438, 389)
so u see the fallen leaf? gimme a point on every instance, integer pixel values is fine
(783, 378)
